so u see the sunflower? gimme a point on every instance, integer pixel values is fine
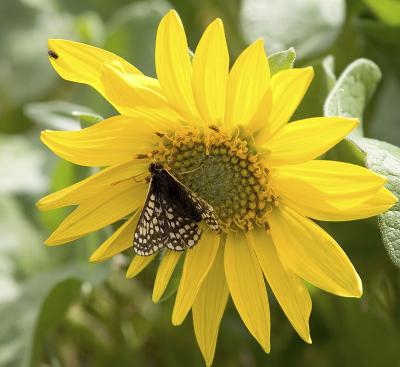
(224, 133)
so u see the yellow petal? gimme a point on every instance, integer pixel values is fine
(138, 264)
(326, 185)
(119, 241)
(247, 288)
(82, 63)
(248, 80)
(288, 89)
(262, 114)
(288, 288)
(137, 93)
(210, 73)
(100, 212)
(132, 89)
(303, 140)
(209, 307)
(95, 184)
(112, 141)
(173, 66)
(198, 262)
(164, 272)
(312, 254)
(382, 201)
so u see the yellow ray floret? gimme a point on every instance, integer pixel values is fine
(210, 74)
(312, 254)
(288, 287)
(247, 288)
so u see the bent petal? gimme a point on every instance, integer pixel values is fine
(313, 254)
(94, 185)
(248, 80)
(112, 141)
(174, 70)
(326, 185)
(382, 201)
(209, 307)
(138, 264)
(198, 262)
(119, 241)
(288, 288)
(304, 140)
(81, 63)
(164, 273)
(95, 214)
(136, 93)
(247, 288)
(210, 73)
(132, 89)
(288, 89)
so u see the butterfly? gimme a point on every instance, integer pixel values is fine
(170, 215)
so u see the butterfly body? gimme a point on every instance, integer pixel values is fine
(168, 187)
(170, 215)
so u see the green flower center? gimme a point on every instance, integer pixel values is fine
(222, 170)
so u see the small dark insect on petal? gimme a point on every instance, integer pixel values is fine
(52, 54)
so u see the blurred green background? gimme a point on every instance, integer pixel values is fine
(56, 309)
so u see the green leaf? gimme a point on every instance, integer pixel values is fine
(52, 312)
(43, 302)
(281, 60)
(387, 10)
(382, 44)
(60, 293)
(18, 237)
(87, 119)
(348, 98)
(353, 90)
(21, 165)
(328, 65)
(384, 158)
(63, 175)
(323, 81)
(308, 26)
(57, 115)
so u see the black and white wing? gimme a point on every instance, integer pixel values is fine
(150, 230)
(181, 230)
(168, 218)
(170, 215)
(206, 210)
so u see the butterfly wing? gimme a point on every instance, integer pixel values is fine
(206, 211)
(181, 230)
(169, 216)
(150, 230)
(180, 215)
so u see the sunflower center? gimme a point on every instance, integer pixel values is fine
(222, 170)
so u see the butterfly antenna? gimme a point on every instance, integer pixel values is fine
(150, 155)
(192, 170)
(131, 178)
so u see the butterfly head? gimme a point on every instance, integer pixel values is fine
(155, 167)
